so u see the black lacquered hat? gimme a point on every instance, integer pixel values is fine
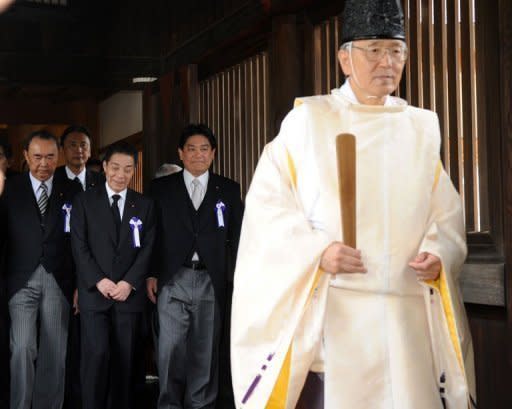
(372, 19)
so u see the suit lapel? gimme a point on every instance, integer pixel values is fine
(207, 207)
(90, 180)
(104, 213)
(54, 216)
(130, 210)
(31, 201)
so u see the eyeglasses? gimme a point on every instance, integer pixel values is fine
(375, 53)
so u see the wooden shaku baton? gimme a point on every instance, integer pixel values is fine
(346, 155)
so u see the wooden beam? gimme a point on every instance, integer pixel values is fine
(65, 69)
(227, 29)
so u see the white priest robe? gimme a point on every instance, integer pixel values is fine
(383, 339)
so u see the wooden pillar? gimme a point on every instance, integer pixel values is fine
(168, 106)
(286, 68)
(151, 124)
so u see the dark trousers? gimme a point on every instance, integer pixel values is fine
(188, 344)
(312, 395)
(110, 341)
(4, 349)
(72, 395)
(225, 398)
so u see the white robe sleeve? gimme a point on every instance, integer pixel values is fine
(445, 236)
(277, 266)
(451, 338)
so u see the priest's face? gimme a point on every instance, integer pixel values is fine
(197, 154)
(374, 68)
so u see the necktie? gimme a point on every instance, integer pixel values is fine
(116, 213)
(77, 180)
(196, 193)
(42, 202)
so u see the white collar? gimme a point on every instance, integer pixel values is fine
(36, 183)
(80, 176)
(347, 91)
(111, 193)
(189, 177)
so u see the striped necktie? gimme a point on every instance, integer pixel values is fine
(42, 202)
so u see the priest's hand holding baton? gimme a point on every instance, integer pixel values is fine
(343, 257)
(339, 258)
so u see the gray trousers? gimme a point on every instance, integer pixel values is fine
(188, 344)
(37, 375)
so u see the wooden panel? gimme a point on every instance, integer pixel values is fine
(238, 101)
(137, 182)
(505, 20)
(493, 367)
(483, 284)
(326, 43)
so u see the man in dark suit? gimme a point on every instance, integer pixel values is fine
(6, 172)
(113, 230)
(39, 275)
(200, 215)
(4, 329)
(75, 145)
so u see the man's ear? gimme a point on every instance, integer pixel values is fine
(344, 60)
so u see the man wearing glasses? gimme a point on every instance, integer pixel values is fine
(317, 323)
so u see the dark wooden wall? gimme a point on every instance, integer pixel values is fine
(230, 31)
(25, 116)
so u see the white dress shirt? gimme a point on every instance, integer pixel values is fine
(121, 201)
(203, 179)
(80, 176)
(36, 183)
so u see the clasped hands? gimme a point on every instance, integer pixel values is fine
(339, 258)
(111, 290)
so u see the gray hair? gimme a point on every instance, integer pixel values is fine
(167, 169)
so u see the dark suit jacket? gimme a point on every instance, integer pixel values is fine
(92, 179)
(32, 240)
(97, 255)
(216, 246)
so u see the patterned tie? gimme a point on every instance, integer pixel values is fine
(42, 202)
(196, 193)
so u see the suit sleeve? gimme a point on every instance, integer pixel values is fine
(139, 270)
(87, 269)
(156, 256)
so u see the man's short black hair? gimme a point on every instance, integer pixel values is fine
(94, 162)
(197, 129)
(121, 147)
(41, 134)
(74, 128)
(6, 147)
